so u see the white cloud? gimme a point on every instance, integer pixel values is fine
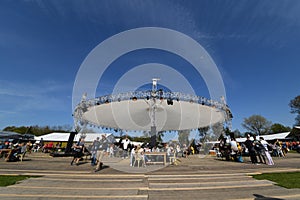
(127, 14)
(30, 89)
(24, 96)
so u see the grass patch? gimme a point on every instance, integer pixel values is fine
(288, 180)
(6, 180)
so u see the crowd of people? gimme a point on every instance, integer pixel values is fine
(126, 150)
(48, 147)
(258, 149)
(15, 151)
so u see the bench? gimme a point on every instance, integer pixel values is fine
(4, 153)
(152, 154)
(7, 154)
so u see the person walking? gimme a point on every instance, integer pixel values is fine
(268, 155)
(101, 152)
(94, 149)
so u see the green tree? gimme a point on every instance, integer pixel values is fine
(183, 137)
(237, 133)
(257, 124)
(279, 128)
(38, 130)
(146, 134)
(21, 129)
(142, 139)
(218, 129)
(203, 132)
(295, 108)
(227, 131)
(247, 133)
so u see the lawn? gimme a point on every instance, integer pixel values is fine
(6, 180)
(288, 180)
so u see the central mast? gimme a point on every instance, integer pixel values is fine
(153, 108)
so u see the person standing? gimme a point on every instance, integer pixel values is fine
(111, 150)
(250, 146)
(260, 150)
(101, 152)
(41, 144)
(266, 144)
(126, 143)
(132, 156)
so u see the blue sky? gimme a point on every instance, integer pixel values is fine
(255, 45)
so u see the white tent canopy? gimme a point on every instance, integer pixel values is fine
(64, 137)
(132, 142)
(279, 136)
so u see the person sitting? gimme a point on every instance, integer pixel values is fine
(192, 150)
(186, 151)
(29, 146)
(234, 145)
(16, 152)
(234, 149)
(139, 156)
(78, 149)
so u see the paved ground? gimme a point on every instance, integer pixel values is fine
(193, 178)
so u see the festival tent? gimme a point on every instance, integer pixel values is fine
(89, 137)
(64, 137)
(9, 135)
(279, 136)
(132, 142)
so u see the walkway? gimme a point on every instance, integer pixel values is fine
(193, 178)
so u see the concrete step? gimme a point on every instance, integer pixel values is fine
(197, 178)
(7, 196)
(61, 191)
(210, 185)
(274, 193)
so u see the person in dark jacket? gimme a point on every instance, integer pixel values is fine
(250, 146)
(78, 149)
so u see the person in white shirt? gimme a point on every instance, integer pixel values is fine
(126, 143)
(233, 145)
(265, 144)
